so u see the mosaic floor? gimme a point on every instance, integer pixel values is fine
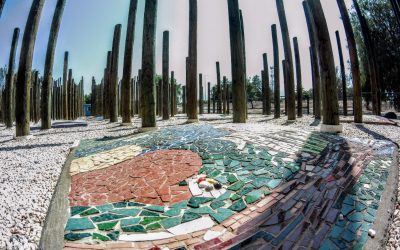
(202, 187)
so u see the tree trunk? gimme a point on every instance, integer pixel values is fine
(327, 65)
(369, 46)
(114, 74)
(224, 94)
(219, 89)
(147, 86)
(107, 78)
(48, 68)
(93, 97)
(192, 84)
(267, 93)
(395, 5)
(201, 110)
(2, 3)
(314, 62)
(237, 63)
(127, 74)
(184, 99)
(165, 76)
(9, 98)
(23, 85)
(299, 79)
(291, 99)
(277, 88)
(208, 99)
(69, 104)
(228, 99)
(174, 95)
(244, 58)
(285, 79)
(342, 72)
(263, 94)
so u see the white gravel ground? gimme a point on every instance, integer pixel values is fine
(29, 170)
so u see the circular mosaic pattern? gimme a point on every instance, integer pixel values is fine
(151, 179)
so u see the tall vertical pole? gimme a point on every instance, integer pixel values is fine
(277, 88)
(114, 74)
(298, 78)
(165, 76)
(342, 72)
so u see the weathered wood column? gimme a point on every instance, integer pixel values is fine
(165, 76)
(267, 90)
(228, 98)
(126, 93)
(23, 83)
(219, 89)
(114, 74)
(48, 68)
(237, 63)
(184, 99)
(225, 94)
(395, 5)
(2, 2)
(263, 97)
(314, 62)
(327, 65)
(9, 98)
(192, 84)
(174, 101)
(201, 107)
(209, 98)
(342, 73)
(277, 88)
(147, 85)
(290, 94)
(355, 65)
(244, 57)
(65, 86)
(298, 78)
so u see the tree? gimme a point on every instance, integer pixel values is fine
(113, 91)
(237, 63)
(22, 109)
(48, 67)
(192, 83)
(127, 74)
(277, 94)
(165, 77)
(2, 3)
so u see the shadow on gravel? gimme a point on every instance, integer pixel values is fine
(315, 123)
(374, 134)
(31, 146)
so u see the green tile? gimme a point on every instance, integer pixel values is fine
(202, 210)
(189, 216)
(260, 172)
(107, 217)
(108, 226)
(238, 206)
(148, 220)
(134, 229)
(78, 209)
(222, 214)
(128, 212)
(130, 222)
(253, 196)
(135, 204)
(217, 204)
(214, 174)
(74, 237)
(235, 197)
(173, 212)
(235, 187)
(148, 214)
(120, 204)
(155, 208)
(171, 222)
(100, 237)
(232, 178)
(274, 183)
(154, 226)
(245, 190)
(89, 212)
(114, 235)
(197, 201)
(105, 208)
(224, 196)
(76, 224)
(181, 205)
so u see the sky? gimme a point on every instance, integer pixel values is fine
(87, 28)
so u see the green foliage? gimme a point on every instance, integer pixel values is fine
(88, 98)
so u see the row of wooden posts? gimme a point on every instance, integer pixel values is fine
(323, 70)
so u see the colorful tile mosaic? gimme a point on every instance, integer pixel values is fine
(270, 188)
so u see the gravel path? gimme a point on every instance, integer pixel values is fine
(29, 169)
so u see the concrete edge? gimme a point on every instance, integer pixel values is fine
(52, 236)
(384, 215)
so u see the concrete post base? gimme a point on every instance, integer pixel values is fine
(331, 128)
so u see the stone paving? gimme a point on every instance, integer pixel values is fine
(203, 187)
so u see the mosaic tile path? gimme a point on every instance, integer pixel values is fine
(200, 187)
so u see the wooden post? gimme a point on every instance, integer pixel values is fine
(69, 93)
(127, 71)
(9, 98)
(308, 105)
(48, 69)
(147, 86)
(244, 58)
(277, 88)
(192, 84)
(224, 94)
(285, 79)
(139, 78)
(173, 96)
(395, 5)
(159, 98)
(228, 99)
(342, 72)
(23, 85)
(208, 99)
(263, 97)
(371, 59)
(106, 95)
(114, 74)
(65, 86)
(267, 93)
(213, 101)
(2, 2)
(355, 66)
(201, 110)
(290, 93)
(314, 61)
(219, 89)
(133, 97)
(327, 65)
(184, 99)
(237, 63)
(298, 78)
(93, 97)
(165, 76)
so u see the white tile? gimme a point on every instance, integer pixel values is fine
(194, 188)
(145, 237)
(192, 226)
(212, 234)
